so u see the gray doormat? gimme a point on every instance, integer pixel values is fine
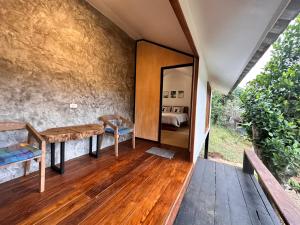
(169, 154)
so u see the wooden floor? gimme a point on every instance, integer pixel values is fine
(220, 194)
(138, 188)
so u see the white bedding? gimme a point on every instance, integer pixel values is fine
(174, 118)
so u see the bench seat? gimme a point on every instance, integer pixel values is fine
(18, 153)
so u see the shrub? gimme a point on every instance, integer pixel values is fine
(272, 106)
(226, 107)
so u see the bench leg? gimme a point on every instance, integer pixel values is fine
(27, 167)
(42, 165)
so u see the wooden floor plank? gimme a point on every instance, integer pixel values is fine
(62, 186)
(187, 211)
(158, 214)
(220, 194)
(265, 201)
(256, 208)
(108, 193)
(118, 201)
(238, 209)
(222, 208)
(142, 210)
(93, 190)
(205, 198)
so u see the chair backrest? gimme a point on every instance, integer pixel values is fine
(110, 117)
(10, 126)
(116, 120)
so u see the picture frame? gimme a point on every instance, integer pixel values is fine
(165, 94)
(180, 94)
(173, 94)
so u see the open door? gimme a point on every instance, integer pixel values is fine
(175, 114)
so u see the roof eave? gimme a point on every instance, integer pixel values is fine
(289, 13)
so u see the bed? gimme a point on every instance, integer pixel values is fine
(174, 118)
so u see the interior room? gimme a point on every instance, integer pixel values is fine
(176, 104)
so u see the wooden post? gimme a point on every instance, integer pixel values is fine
(247, 167)
(116, 135)
(133, 137)
(42, 166)
(206, 146)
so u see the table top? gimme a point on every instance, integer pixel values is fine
(62, 134)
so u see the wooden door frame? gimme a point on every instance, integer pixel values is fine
(182, 21)
(162, 69)
(184, 26)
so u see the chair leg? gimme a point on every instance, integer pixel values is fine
(26, 167)
(116, 145)
(42, 166)
(133, 140)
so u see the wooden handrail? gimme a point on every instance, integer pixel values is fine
(289, 212)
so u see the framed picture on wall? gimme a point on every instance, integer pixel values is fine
(180, 94)
(166, 94)
(173, 94)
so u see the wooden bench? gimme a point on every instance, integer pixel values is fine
(63, 134)
(289, 212)
(24, 152)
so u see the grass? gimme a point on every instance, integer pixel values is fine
(227, 144)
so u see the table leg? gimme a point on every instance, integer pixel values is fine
(98, 145)
(91, 153)
(62, 157)
(52, 154)
(60, 169)
(91, 146)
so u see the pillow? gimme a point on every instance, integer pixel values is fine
(166, 108)
(177, 109)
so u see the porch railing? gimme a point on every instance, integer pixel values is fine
(288, 211)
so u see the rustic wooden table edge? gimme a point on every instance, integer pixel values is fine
(71, 133)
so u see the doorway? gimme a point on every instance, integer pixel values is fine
(175, 107)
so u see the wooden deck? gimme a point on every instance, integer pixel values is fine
(136, 188)
(220, 194)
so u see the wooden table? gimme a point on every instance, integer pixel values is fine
(63, 134)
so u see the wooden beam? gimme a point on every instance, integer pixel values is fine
(184, 26)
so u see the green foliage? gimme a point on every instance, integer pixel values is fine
(272, 106)
(225, 107)
(294, 185)
(217, 108)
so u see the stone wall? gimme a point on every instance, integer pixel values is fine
(53, 53)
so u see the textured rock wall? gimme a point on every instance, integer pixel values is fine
(53, 53)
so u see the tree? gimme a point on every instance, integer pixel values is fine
(226, 107)
(272, 106)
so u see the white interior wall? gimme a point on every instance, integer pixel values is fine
(177, 82)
